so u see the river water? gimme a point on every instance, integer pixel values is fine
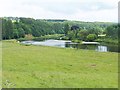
(69, 44)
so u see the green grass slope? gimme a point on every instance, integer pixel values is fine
(52, 67)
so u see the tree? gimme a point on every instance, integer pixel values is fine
(82, 34)
(15, 33)
(7, 29)
(95, 30)
(71, 35)
(26, 28)
(91, 37)
(112, 31)
(10, 29)
(21, 33)
(29, 37)
(4, 30)
(66, 29)
(74, 27)
(38, 27)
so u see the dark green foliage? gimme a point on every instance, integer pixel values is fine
(71, 35)
(82, 34)
(25, 26)
(21, 32)
(7, 29)
(15, 33)
(46, 37)
(55, 36)
(91, 37)
(74, 28)
(66, 28)
(55, 20)
(95, 30)
(15, 28)
(112, 31)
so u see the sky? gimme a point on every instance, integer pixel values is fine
(79, 10)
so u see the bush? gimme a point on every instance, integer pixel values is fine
(22, 39)
(46, 37)
(42, 38)
(29, 37)
(76, 41)
(91, 37)
(65, 38)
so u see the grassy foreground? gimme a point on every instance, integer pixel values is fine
(51, 67)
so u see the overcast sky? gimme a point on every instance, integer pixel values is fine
(80, 10)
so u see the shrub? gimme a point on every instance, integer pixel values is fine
(91, 37)
(76, 41)
(28, 36)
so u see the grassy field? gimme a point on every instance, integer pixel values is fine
(52, 67)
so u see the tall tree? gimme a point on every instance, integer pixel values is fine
(66, 28)
(112, 31)
(82, 34)
(7, 29)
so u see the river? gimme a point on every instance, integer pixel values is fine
(69, 44)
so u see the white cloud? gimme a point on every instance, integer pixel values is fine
(85, 10)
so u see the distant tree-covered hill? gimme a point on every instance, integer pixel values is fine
(17, 27)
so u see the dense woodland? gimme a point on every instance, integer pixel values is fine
(15, 28)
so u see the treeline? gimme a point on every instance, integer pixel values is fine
(14, 28)
(113, 31)
(19, 28)
(94, 33)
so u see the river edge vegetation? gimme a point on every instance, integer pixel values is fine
(36, 67)
(76, 31)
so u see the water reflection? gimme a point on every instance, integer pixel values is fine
(102, 48)
(69, 44)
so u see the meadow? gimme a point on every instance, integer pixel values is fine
(28, 66)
